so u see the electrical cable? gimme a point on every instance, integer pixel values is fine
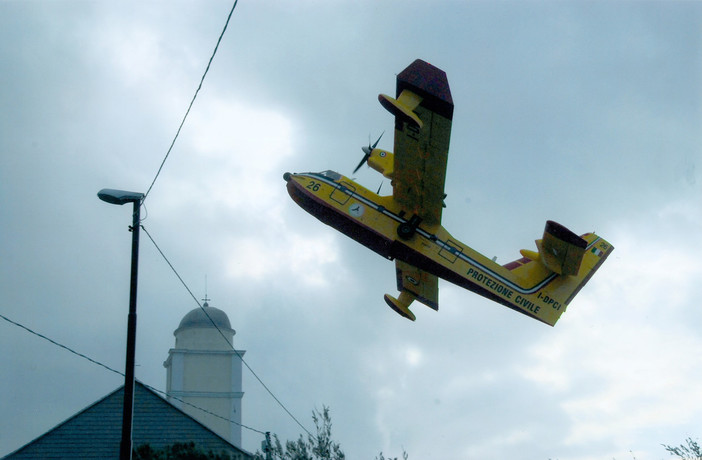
(158, 172)
(170, 148)
(207, 69)
(61, 345)
(201, 409)
(222, 334)
(81, 355)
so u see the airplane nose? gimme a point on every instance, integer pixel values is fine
(286, 176)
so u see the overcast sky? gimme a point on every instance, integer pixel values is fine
(587, 113)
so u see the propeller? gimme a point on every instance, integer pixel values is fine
(367, 152)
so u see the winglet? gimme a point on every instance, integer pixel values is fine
(401, 305)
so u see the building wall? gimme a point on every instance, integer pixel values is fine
(203, 371)
(207, 338)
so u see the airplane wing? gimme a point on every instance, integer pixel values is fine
(423, 112)
(422, 285)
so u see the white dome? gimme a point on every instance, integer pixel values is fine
(205, 317)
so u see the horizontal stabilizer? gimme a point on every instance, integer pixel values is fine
(531, 255)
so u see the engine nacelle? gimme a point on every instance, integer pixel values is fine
(383, 162)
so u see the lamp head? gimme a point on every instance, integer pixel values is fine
(120, 197)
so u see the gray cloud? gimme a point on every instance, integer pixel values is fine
(585, 113)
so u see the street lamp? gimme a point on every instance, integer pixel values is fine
(121, 197)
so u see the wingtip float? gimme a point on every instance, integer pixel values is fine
(406, 226)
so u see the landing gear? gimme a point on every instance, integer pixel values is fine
(406, 229)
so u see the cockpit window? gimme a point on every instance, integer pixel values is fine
(331, 174)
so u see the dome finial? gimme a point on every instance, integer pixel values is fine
(205, 300)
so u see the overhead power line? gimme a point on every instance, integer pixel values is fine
(207, 69)
(202, 409)
(224, 336)
(61, 345)
(105, 366)
(158, 172)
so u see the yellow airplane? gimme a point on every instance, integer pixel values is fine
(406, 226)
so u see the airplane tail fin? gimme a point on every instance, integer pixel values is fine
(564, 263)
(560, 250)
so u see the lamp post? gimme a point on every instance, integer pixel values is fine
(121, 197)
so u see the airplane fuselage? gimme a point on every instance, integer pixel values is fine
(374, 220)
(406, 226)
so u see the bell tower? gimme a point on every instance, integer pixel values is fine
(205, 371)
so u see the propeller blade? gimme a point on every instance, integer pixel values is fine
(376, 142)
(367, 151)
(365, 158)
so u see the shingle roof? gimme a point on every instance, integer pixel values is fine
(95, 432)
